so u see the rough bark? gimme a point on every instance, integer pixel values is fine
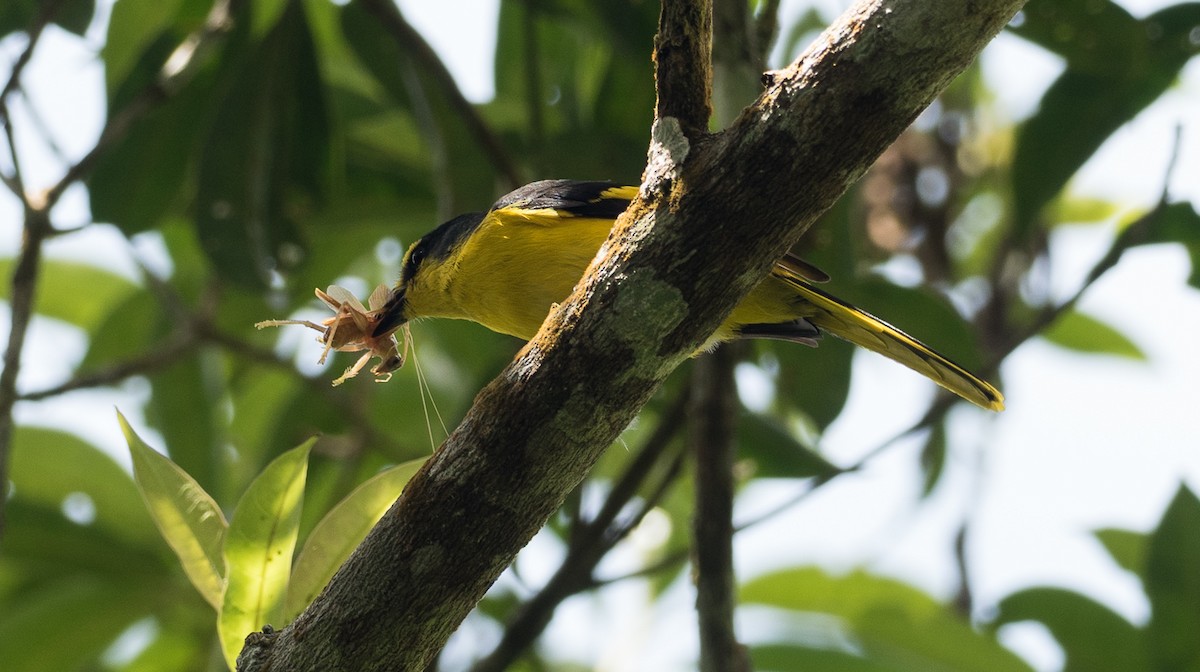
(713, 215)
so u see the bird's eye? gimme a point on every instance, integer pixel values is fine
(414, 260)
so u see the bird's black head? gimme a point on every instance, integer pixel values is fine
(434, 247)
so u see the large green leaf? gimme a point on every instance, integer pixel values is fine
(1092, 35)
(147, 172)
(888, 621)
(1093, 637)
(775, 452)
(132, 27)
(184, 402)
(783, 657)
(67, 624)
(48, 466)
(1173, 585)
(1107, 82)
(190, 521)
(258, 550)
(265, 158)
(340, 531)
(75, 293)
(461, 169)
(1083, 333)
(71, 15)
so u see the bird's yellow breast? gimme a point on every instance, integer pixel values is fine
(515, 267)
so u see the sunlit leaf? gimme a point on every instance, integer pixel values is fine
(888, 620)
(1173, 585)
(132, 27)
(1092, 636)
(61, 295)
(258, 550)
(787, 657)
(1083, 333)
(190, 521)
(340, 531)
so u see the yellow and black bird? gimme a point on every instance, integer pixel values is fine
(506, 267)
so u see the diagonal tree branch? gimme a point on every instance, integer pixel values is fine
(713, 214)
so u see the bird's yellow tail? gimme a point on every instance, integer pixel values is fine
(863, 329)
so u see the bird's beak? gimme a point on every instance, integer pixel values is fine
(391, 316)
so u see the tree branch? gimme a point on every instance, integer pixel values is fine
(713, 214)
(683, 64)
(712, 423)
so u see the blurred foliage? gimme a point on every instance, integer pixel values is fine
(313, 140)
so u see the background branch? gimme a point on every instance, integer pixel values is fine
(712, 420)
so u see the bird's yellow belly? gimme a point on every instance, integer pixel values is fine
(508, 287)
(508, 283)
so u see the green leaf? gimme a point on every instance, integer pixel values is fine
(66, 624)
(60, 295)
(933, 458)
(1175, 223)
(787, 657)
(187, 517)
(258, 550)
(1127, 548)
(185, 396)
(814, 381)
(1116, 68)
(71, 15)
(1093, 637)
(132, 27)
(775, 452)
(144, 176)
(265, 157)
(1093, 35)
(47, 466)
(889, 621)
(340, 531)
(1083, 333)
(1173, 586)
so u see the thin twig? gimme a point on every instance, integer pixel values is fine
(148, 362)
(47, 12)
(428, 61)
(21, 298)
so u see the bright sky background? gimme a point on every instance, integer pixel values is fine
(1086, 441)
